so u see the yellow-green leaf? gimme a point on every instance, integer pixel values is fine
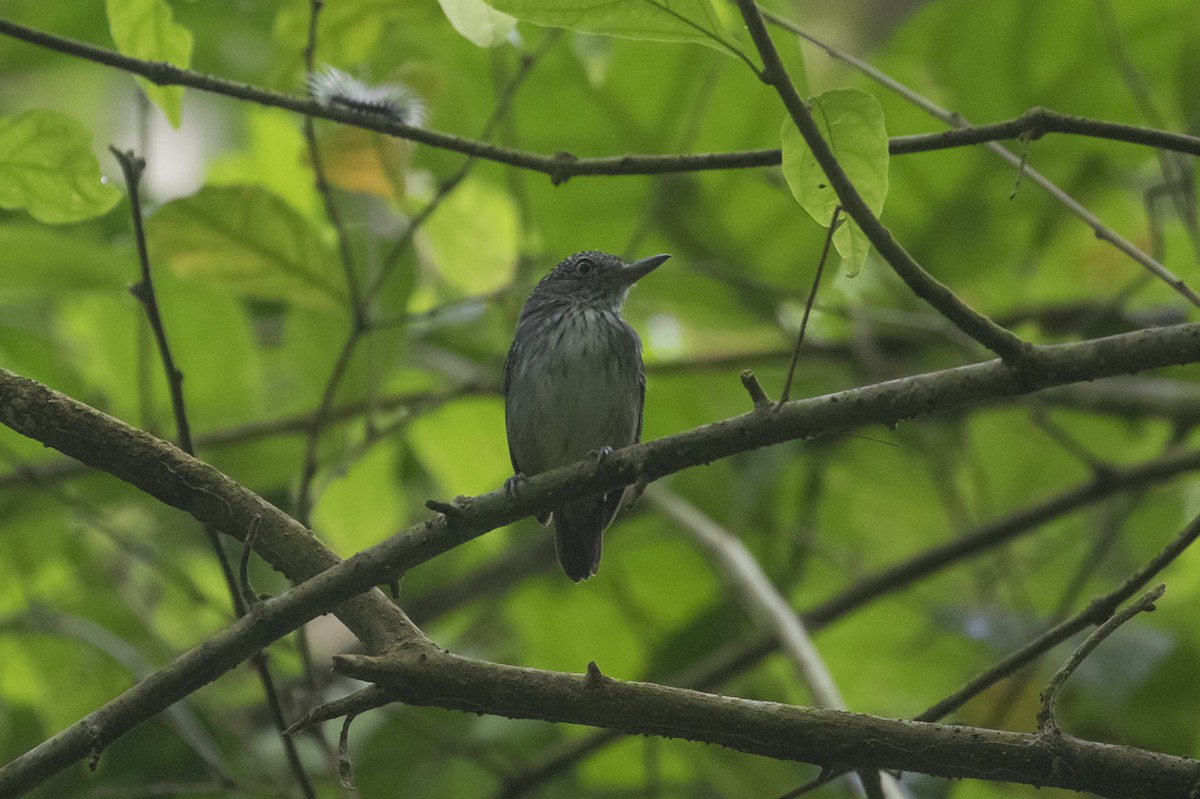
(342, 517)
(852, 123)
(146, 29)
(478, 22)
(246, 240)
(47, 167)
(475, 235)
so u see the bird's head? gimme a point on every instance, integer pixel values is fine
(594, 278)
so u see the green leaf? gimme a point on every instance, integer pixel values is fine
(594, 54)
(47, 167)
(462, 445)
(478, 22)
(657, 20)
(246, 240)
(146, 29)
(272, 155)
(475, 236)
(852, 123)
(51, 261)
(347, 523)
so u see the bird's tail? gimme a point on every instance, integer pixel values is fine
(579, 530)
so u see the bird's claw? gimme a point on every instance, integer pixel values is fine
(601, 453)
(510, 485)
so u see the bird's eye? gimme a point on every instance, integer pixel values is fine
(584, 266)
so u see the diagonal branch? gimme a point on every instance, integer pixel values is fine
(1047, 723)
(924, 285)
(328, 583)
(133, 166)
(1038, 117)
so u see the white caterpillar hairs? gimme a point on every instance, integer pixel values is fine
(332, 88)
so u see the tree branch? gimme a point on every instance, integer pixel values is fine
(563, 166)
(764, 604)
(833, 739)
(1000, 341)
(191, 485)
(1047, 723)
(1079, 125)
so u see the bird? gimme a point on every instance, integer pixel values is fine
(574, 386)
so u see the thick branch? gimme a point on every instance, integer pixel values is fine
(177, 479)
(830, 738)
(183, 482)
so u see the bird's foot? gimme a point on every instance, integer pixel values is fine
(600, 454)
(512, 483)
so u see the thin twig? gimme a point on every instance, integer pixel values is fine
(132, 167)
(499, 112)
(359, 329)
(248, 594)
(564, 166)
(754, 389)
(1069, 443)
(1047, 723)
(345, 767)
(1097, 611)
(1114, 517)
(1178, 175)
(834, 222)
(322, 183)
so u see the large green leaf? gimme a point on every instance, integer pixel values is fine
(852, 123)
(658, 20)
(47, 167)
(246, 240)
(475, 236)
(146, 29)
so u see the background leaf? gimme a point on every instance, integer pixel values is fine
(478, 22)
(852, 123)
(146, 29)
(47, 167)
(254, 301)
(246, 240)
(657, 20)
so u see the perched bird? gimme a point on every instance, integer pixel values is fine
(574, 385)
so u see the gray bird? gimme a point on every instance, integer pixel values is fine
(574, 385)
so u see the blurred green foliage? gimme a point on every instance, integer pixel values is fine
(253, 294)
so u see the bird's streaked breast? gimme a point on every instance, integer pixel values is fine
(573, 388)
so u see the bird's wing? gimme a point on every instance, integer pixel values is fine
(641, 403)
(513, 354)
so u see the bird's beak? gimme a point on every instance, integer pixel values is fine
(639, 269)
